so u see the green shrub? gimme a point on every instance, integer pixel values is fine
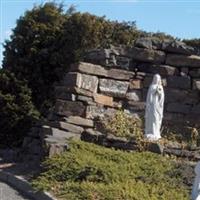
(91, 172)
(123, 125)
(83, 31)
(194, 43)
(32, 52)
(17, 111)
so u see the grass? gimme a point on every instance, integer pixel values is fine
(91, 172)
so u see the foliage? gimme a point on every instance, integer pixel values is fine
(186, 134)
(123, 125)
(83, 31)
(17, 111)
(194, 43)
(32, 52)
(88, 171)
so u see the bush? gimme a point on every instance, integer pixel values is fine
(17, 111)
(194, 43)
(83, 31)
(88, 171)
(32, 52)
(123, 125)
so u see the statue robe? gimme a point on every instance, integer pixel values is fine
(154, 109)
(196, 185)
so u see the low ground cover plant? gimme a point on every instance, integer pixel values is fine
(88, 171)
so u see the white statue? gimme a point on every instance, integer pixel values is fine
(154, 109)
(196, 185)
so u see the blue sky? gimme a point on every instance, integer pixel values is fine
(180, 18)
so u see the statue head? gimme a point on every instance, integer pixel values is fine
(157, 80)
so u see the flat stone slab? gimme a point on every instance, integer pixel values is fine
(103, 99)
(164, 70)
(79, 121)
(191, 155)
(65, 127)
(84, 81)
(183, 60)
(178, 108)
(86, 99)
(98, 70)
(68, 108)
(99, 111)
(183, 96)
(64, 134)
(83, 92)
(91, 135)
(113, 88)
(97, 137)
(168, 45)
(135, 84)
(155, 147)
(55, 140)
(134, 95)
(175, 46)
(179, 82)
(144, 42)
(89, 82)
(147, 55)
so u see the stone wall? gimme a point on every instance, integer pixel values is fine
(119, 78)
(110, 79)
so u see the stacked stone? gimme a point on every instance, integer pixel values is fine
(110, 79)
(176, 62)
(88, 92)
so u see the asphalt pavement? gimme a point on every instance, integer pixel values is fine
(9, 193)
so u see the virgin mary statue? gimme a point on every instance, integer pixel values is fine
(154, 109)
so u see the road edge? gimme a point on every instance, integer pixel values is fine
(22, 185)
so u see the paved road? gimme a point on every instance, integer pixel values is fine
(9, 193)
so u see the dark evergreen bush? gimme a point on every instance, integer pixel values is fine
(17, 112)
(32, 53)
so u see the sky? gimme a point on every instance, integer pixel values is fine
(180, 18)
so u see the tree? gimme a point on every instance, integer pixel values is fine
(17, 111)
(32, 52)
